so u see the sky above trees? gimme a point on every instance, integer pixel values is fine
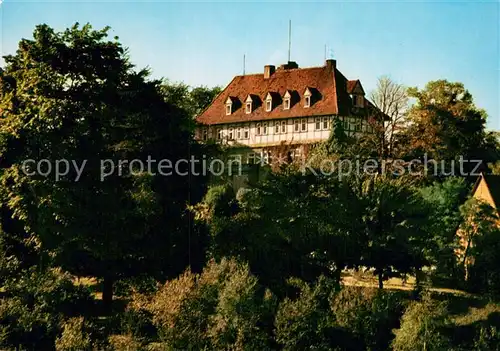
(203, 43)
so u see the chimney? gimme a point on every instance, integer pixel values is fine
(331, 64)
(268, 71)
(289, 65)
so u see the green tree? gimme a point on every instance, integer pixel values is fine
(445, 124)
(443, 200)
(74, 96)
(390, 214)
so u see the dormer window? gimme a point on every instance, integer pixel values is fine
(307, 98)
(248, 104)
(269, 102)
(286, 101)
(229, 106)
(357, 100)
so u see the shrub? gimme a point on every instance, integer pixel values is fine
(306, 321)
(35, 305)
(222, 308)
(369, 314)
(75, 336)
(422, 327)
(124, 343)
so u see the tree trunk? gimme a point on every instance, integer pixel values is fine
(380, 280)
(107, 293)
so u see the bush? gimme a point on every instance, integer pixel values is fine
(422, 327)
(369, 314)
(35, 306)
(306, 321)
(75, 336)
(222, 308)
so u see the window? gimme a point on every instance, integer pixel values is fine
(317, 125)
(354, 100)
(266, 157)
(287, 100)
(229, 105)
(286, 104)
(357, 127)
(246, 133)
(303, 125)
(204, 134)
(307, 101)
(258, 129)
(296, 154)
(276, 127)
(269, 105)
(248, 108)
(234, 159)
(219, 134)
(325, 123)
(231, 134)
(264, 129)
(283, 126)
(251, 158)
(296, 125)
(238, 133)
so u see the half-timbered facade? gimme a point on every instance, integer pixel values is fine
(287, 105)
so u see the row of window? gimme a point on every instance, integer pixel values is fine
(264, 157)
(280, 127)
(249, 103)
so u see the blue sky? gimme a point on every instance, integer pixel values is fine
(202, 43)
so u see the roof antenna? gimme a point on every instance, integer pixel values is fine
(243, 64)
(289, 38)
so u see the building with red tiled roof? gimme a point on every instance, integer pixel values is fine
(285, 105)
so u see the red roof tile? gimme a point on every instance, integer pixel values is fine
(329, 87)
(350, 85)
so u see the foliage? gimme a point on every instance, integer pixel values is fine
(305, 322)
(75, 96)
(390, 213)
(369, 314)
(74, 337)
(445, 124)
(222, 308)
(192, 100)
(443, 199)
(34, 306)
(422, 327)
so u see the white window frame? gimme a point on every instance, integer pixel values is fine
(204, 134)
(269, 105)
(317, 123)
(238, 133)
(229, 109)
(246, 133)
(286, 104)
(264, 128)
(325, 123)
(248, 108)
(276, 127)
(283, 126)
(303, 125)
(307, 101)
(230, 133)
(266, 157)
(296, 125)
(220, 134)
(258, 129)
